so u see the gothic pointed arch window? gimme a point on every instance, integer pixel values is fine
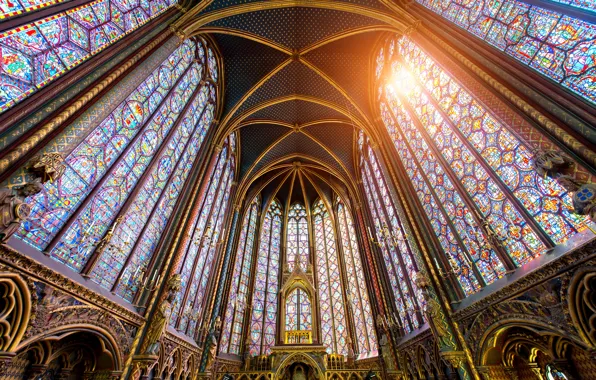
(238, 300)
(297, 238)
(472, 173)
(298, 311)
(358, 302)
(392, 238)
(334, 325)
(125, 174)
(266, 284)
(37, 53)
(208, 227)
(559, 46)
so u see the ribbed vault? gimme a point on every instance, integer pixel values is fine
(296, 85)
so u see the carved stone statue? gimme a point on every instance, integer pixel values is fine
(162, 316)
(217, 327)
(551, 163)
(247, 357)
(434, 313)
(211, 350)
(212, 340)
(386, 351)
(13, 209)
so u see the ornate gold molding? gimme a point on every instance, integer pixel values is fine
(34, 269)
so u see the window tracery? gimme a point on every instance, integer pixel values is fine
(231, 339)
(392, 239)
(35, 54)
(297, 238)
(473, 176)
(358, 301)
(298, 311)
(558, 46)
(264, 314)
(334, 326)
(125, 176)
(208, 229)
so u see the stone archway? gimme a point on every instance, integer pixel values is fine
(299, 364)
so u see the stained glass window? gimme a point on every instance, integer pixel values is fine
(473, 175)
(392, 239)
(212, 65)
(558, 46)
(199, 251)
(331, 301)
(298, 311)
(297, 238)
(11, 8)
(35, 54)
(266, 286)
(231, 339)
(126, 176)
(358, 301)
(92, 159)
(583, 4)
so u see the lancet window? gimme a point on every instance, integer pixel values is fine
(358, 302)
(559, 46)
(297, 238)
(392, 239)
(298, 311)
(334, 328)
(208, 228)
(238, 299)
(489, 209)
(37, 53)
(320, 300)
(123, 179)
(266, 286)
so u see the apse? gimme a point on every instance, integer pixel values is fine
(297, 190)
(298, 276)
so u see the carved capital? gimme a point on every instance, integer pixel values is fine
(14, 209)
(179, 33)
(550, 163)
(5, 360)
(141, 365)
(47, 167)
(456, 358)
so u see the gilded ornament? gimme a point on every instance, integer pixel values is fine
(13, 208)
(48, 166)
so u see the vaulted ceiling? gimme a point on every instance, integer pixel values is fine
(296, 84)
